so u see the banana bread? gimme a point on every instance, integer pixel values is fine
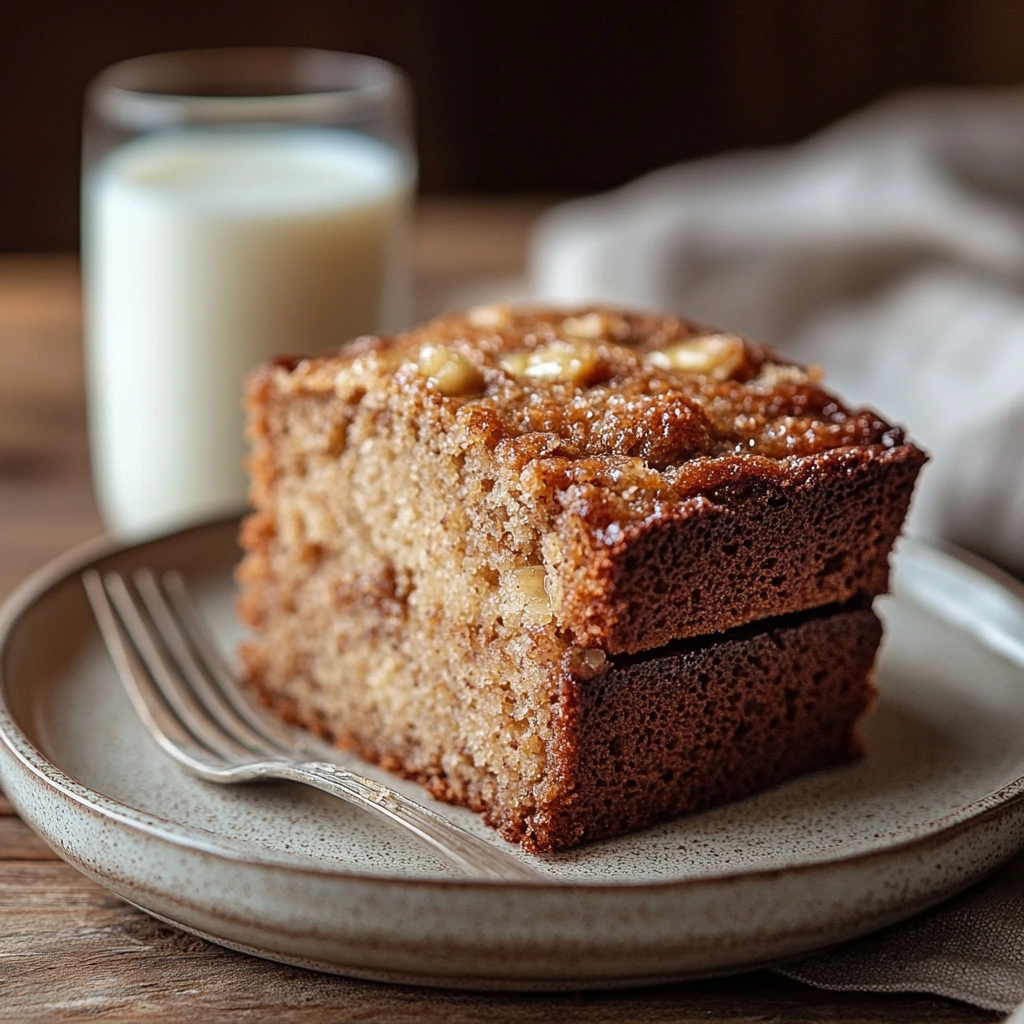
(578, 571)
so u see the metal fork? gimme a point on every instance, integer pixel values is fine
(185, 693)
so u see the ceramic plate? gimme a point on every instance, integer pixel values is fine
(288, 873)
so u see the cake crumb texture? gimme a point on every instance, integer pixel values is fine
(474, 546)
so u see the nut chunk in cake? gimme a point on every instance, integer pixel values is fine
(578, 571)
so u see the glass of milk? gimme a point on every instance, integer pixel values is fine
(236, 204)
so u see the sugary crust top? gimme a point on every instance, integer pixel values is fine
(625, 411)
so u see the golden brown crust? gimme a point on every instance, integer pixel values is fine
(660, 389)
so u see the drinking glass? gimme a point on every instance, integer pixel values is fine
(236, 204)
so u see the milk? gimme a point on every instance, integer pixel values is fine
(206, 252)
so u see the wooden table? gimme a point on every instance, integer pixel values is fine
(71, 950)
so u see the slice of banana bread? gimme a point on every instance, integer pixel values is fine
(576, 571)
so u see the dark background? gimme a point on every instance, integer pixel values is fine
(549, 97)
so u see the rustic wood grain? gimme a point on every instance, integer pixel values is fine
(19, 842)
(69, 950)
(46, 502)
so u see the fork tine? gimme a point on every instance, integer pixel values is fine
(166, 679)
(145, 698)
(205, 689)
(192, 625)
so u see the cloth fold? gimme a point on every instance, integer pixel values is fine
(969, 949)
(890, 249)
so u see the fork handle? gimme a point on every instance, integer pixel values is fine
(476, 857)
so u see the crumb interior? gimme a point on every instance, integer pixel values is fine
(400, 597)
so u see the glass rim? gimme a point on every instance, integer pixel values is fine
(129, 92)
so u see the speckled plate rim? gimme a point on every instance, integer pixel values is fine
(970, 570)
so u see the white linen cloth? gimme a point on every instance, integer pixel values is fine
(889, 249)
